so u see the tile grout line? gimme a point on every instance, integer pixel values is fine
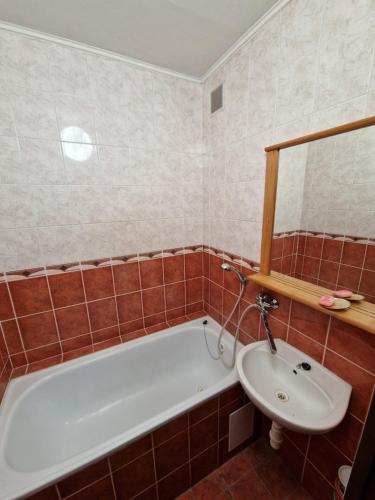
(54, 316)
(154, 462)
(305, 460)
(58, 492)
(320, 473)
(164, 290)
(338, 449)
(17, 323)
(112, 479)
(363, 267)
(326, 339)
(87, 309)
(115, 300)
(141, 292)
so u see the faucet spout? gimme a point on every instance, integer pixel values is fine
(266, 303)
(271, 342)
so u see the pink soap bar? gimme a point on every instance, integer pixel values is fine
(343, 294)
(327, 301)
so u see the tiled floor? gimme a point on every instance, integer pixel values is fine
(257, 473)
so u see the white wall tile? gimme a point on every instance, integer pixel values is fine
(309, 69)
(34, 114)
(151, 167)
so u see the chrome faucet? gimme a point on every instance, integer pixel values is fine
(266, 303)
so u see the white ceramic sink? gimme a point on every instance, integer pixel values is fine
(313, 401)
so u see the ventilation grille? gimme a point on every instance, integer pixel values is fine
(217, 99)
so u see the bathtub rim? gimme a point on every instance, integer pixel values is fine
(24, 483)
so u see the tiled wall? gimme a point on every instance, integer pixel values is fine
(346, 350)
(51, 318)
(270, 96)
(162, 464)
(327, 186)
(97, 157)
(340, 177)
(290, 188)
(330, 261)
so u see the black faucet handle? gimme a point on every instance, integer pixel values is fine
(266, 301)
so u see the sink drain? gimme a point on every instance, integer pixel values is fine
(282, 396)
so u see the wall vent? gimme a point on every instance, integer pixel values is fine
(217, 99)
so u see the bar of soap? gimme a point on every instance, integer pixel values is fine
(327, 300)
(343, 294)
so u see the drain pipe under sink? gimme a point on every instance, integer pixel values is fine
(276, 435)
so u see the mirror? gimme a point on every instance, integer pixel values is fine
(324, 224)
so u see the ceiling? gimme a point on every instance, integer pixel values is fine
(186, 36)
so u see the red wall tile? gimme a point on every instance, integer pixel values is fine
(134, 477)
(129, 307)
(305, 344)
(367, 283)
(353, 254)
(131, 452)
(172, 454)
(66, 289)
(6, 311)
(76, 343)
(194, 289)
(314, 247)
(216, 273)
(151, 273)
(98, 283)
(193, 265)
(316, 484)
(38, 330)
(30, 295)
(349, 277)
(346, 436)
(102, 313)
(83, 478)
(44, 352)
(126, 277)
(174, 269)
(370, 258)
(332, 250)
(12, 336)
(153, 301)
(309, 322)
(101, 489)
(361, 381)
(325, 457)
(72, 321)
(175, 295)
(173, 485)
(352, 343)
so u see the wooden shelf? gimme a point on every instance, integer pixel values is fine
(360, 314)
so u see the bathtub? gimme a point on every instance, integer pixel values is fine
(60, 419)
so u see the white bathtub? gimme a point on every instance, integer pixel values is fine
(57, 420)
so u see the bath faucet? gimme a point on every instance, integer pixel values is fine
(266, 303)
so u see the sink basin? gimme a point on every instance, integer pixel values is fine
(310, 401)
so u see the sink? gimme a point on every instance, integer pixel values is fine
(312, 400)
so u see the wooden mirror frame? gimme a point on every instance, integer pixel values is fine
(360, 314)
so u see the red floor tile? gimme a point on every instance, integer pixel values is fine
(250, 487)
